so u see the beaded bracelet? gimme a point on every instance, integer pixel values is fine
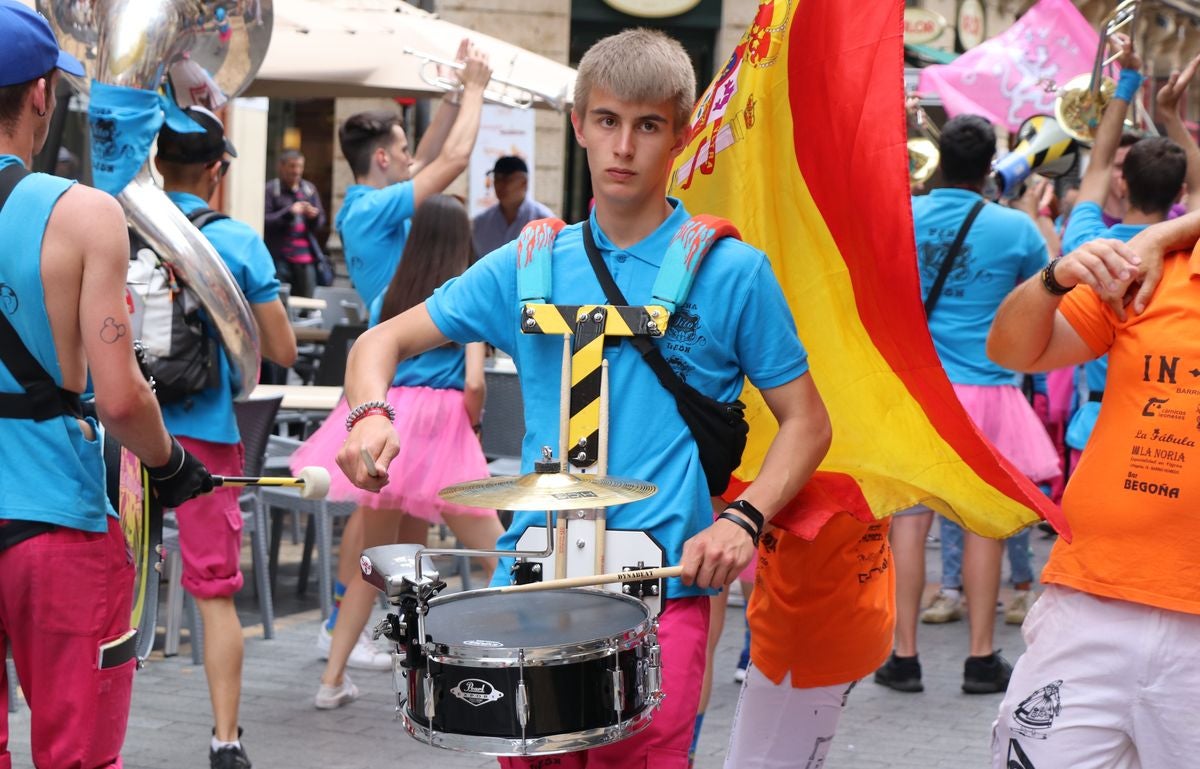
(370, 408)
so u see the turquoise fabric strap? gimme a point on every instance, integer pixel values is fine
(684, 255)
(535, 251)
(123, 124)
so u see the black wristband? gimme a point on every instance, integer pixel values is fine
(746, 527)
(1050, 284)
(750, 511)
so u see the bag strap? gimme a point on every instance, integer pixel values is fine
(650, 352)
(935, 293)
(204, 216)
(42, 399)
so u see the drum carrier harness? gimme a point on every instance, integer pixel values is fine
(42, 399)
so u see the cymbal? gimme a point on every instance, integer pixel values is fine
(548, 491)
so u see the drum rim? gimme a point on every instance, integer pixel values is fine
(562, 654)
(567, 742)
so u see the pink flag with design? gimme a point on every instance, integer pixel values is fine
(1005, 78)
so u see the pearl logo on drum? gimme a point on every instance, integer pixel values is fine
(476, 692)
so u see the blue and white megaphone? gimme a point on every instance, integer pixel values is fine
(1043, 148)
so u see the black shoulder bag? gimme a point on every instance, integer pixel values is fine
(719, 429)
(935, 292)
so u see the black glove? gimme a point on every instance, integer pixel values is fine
(183, 477)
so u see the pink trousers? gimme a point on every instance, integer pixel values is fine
(63, 594)
(664, 744)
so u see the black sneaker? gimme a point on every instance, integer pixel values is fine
(230, 756)
(986, 675)
(901, 673)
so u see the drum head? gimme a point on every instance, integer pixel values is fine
(530, 620)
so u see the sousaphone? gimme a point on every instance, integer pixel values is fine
(209, 50)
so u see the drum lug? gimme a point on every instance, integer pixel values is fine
(655, 672)
(522, 705)
(430, 705)
(618, 686)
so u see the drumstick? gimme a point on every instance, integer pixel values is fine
(369, 461)
(637, 575)
(312, 481)
(564, 409)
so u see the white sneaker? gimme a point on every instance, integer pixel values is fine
(332, 697)
(367, 656)
(324, 639)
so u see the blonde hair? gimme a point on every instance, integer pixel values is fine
(639, 65)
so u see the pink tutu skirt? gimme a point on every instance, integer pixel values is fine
(438, 448)
(1007, 420)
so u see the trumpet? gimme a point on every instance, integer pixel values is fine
(499, 91)
(1081, 102)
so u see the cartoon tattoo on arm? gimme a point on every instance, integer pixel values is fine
(112, 331)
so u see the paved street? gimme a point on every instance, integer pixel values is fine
(170, 720)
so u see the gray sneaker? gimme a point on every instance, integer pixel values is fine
(945, 608)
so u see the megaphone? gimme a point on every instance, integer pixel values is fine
(1043, 147)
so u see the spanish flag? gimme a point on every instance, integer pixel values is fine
(800, 141)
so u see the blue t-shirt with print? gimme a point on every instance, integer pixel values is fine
(1087, 223)
(373, 224)
(1002, 249)
(208, 415)
(444, 368)
(735, 323)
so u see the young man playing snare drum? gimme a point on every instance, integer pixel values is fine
(633, 96)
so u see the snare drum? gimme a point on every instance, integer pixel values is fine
(533, 673)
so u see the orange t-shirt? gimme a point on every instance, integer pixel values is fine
(1134, 501)
(823, 610)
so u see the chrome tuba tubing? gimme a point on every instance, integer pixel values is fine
(135, 44)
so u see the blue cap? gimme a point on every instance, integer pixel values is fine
(30, 49)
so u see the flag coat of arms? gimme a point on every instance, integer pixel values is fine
(800, 142)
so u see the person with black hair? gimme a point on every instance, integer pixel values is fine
(210, 529)
(1150, 180)
(437, 398)
(502, 222)
(391, 181)
(971, 253)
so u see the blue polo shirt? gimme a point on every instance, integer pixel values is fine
(734, 324)
(444, 368)
(208, 415)
(1087, 222)
(373, 225)
(1002, 249)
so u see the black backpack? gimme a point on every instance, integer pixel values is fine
(174, 347)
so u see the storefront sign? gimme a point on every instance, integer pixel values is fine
(922, 25)
(972, 24)
(653, 9)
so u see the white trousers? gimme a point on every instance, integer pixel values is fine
(1103, 684)
(780, 727)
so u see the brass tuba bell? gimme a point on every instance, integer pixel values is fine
(923, 152)
(1081, 102)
